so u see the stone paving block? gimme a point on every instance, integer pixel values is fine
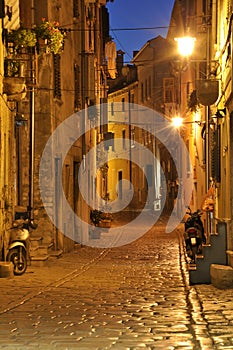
(131, 297)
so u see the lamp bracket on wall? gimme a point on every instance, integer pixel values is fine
(20, 120)
(221, 113)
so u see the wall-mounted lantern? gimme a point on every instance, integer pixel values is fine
(207, 91)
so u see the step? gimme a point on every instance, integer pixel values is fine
(213, 253)
(230, 257)
(55, 253)
(39, 250)
(36, 241)
(39, 260)
(192, 267)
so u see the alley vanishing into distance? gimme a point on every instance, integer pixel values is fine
(132, 297)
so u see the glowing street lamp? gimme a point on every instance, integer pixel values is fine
(185, 45)
(177, 122)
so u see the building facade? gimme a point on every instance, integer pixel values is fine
(206, 104)
(55, 85)
(152, 68)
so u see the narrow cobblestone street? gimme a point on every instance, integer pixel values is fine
(132, 297)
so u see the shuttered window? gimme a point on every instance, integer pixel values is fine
(75, 9)
(77, 102)
(215, 155)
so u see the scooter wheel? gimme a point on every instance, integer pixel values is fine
(19, 267)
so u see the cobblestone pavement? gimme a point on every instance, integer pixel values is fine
(132, 297)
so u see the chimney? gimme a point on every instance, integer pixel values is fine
(119, 61)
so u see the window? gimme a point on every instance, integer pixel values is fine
(112, 108)
(132, 139)
(142, 92)
(109, 141)
(188, 165)
(123, 104)
(123, 139)
(57, 76)
(75, 8)
(77, 101)
(132, 98)
(216, 157)
(168, 90)
(149, 174)
(149, 87)
(202, 70)
(120, 187)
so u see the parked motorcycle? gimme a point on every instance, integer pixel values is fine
(194, 235)
(18, 250)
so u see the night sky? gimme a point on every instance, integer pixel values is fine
(138, 14)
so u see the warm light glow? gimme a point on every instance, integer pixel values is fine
(185, 45)
(177, 122)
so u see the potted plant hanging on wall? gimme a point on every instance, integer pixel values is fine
(22, 38)
(49, 36)
(44, 35)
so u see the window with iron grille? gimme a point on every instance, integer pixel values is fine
(57, 76)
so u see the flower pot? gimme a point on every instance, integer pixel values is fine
(105, 223)
(43, 45)
(14, 87)
(95, 233)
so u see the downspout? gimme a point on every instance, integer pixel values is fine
(32, 137)
(32, 126)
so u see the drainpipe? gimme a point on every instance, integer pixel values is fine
(32, 137)
(32, 124)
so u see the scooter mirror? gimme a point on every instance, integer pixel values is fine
(17, 223)
(33, 224)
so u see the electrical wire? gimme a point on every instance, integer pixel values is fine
(117, 39)
(139, 28)
(111, 29)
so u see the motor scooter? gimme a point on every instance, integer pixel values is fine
(18, 250)
(194, 235)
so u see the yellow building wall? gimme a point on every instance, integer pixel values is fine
(7, 159)
(118, 166)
